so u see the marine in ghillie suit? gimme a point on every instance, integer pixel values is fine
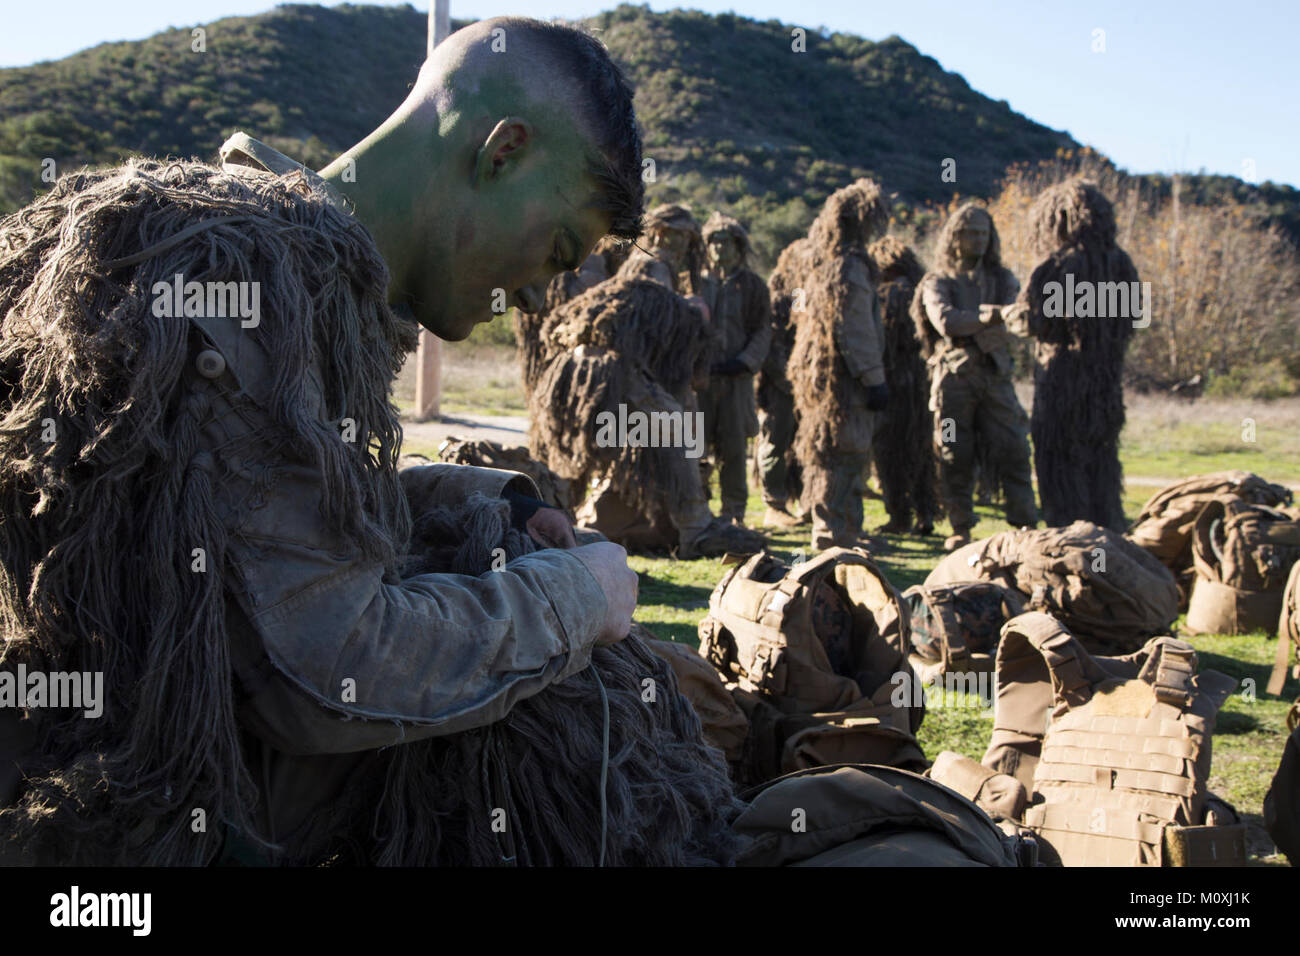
(740, 315)
(533, 328)
(622, 352)
(206, 508)
(901, 447)
(1079, 360)
(957, 311)
(774, 460)
(836, 367)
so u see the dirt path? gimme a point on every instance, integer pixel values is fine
(506, 429)
(513, 430)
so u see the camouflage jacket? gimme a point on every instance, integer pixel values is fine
(333, 656)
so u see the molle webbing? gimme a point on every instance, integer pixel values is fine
(811, 653)
(1241, 553)
(1126, 750)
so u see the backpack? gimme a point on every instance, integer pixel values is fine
(1288, 634)
(955, 627)
(1115, 752)
(1106, 589)
(814, 655)
(857, 815)
(1242, 554)
(1164, 527)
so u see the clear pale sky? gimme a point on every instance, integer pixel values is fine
(1181, 86)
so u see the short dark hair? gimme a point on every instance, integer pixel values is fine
(608, 116)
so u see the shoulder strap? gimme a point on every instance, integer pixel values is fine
(242, 150)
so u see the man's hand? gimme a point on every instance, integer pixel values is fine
(990, 314)
(1016, 319)
(607, 563)
(699, 303)
(877, 397)
(550, 528)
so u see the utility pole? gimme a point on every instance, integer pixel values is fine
(428, 356)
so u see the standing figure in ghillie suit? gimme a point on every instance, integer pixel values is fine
(958, 314)
(775, 463)
(621, 350)
(1079, 361)
(901, 446)
(741, 317)
(837, 364)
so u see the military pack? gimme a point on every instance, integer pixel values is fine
(1164, 526)
(855, 815)
(1242, 554)
(1112, 594)
(1113, 751)
(814, 655)
(955, 627)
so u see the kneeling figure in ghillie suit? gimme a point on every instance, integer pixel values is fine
(957, 311)
(837, 365)
(622, 352)
(901, 448)
(740, 314)
(1079, 360)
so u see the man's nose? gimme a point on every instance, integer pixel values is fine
(529, 298)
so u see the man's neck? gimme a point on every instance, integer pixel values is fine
(377, 176)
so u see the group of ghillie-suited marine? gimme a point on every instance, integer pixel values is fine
(850, 356)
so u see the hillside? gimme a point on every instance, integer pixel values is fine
(733, 117)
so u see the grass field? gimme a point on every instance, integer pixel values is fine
(1165, 439)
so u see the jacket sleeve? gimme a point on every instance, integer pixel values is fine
(758, 323)
(333, 652)
(948, 320)
(859, 334)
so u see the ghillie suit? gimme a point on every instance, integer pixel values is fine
(774, 459)
(971, 393)
(740, 317)
(109, 479)
(901, 448)
(681, 275)
(531, 329)
(837, 360)
(109, 497)
(667, 799)
(628, 346)
(1078, 408)
(554, 490)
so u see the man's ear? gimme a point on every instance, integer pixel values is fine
(505, 145)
